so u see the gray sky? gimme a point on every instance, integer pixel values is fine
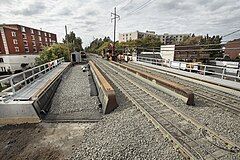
(91, 18)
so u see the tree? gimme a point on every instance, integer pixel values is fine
(205, 42)
(75, 43)
(53, 52)
(98, 44)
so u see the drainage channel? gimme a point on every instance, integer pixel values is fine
(75, 100)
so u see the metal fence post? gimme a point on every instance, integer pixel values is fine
(223, 73)
(33, 74)
(12, 85)
(44, 67)
(204, 71)
(24, 78)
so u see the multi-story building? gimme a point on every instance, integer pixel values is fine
(124, 37)
(172, 38)
(165, 38)
(17, 39)
(21, 44)
(232, 49)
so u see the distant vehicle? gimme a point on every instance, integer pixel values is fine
(83, 54)
(75, 57)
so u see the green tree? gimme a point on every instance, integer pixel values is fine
(53, 52)
(98, 44)
(206, 43)
(75, 43)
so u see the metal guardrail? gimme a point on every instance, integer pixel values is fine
(15, 82)
(216, 71)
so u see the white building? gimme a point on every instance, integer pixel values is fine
(124, 37)
(165, 38)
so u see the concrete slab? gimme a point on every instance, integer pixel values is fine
(25, 106)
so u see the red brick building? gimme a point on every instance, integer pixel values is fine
(232, 49)
(16, 39)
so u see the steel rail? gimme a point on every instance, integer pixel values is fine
(187, 118)
(198, 92)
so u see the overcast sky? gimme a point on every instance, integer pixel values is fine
(91, 18)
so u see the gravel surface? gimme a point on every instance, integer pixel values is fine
(73, 96)
(212, 148)
(223, 122)
(124, 134)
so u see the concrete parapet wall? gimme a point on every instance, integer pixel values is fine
(106, 92)
(16, 111)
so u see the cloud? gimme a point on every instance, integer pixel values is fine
(92, 17)
(64, 12)
(92, 13)
(32, 9)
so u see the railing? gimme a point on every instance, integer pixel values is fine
(15, 82)
(215, 71)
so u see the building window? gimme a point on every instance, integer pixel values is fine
(32, 32)
(40, 38)
(24, 36)
(14, 34)
(32, 36)
(15, 41)
(49, 35)
(35, 49)
(45, 39)
(25, 43)
(16, 49)
(39, 33)
(26, 49)
(33, 43)
(45, 34)
(40, 43)
(1, 60)
(23, 29)
(50, 40)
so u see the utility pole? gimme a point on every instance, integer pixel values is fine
(67, 38)
(66, 33)
(115, 17)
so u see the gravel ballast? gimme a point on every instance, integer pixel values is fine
(223, 122)
(72, 98)
(124, 134)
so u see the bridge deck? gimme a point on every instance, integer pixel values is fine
(34, 89)
(73, 101)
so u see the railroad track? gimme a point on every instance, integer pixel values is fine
(192, 139)
(220, 99)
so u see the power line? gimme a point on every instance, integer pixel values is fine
(120, 3)
(186, 50)
(125, 5)
(139, 8)
(231, 33)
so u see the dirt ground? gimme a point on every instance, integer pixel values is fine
(53, 141)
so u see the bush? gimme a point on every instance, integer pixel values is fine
(53, 52)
